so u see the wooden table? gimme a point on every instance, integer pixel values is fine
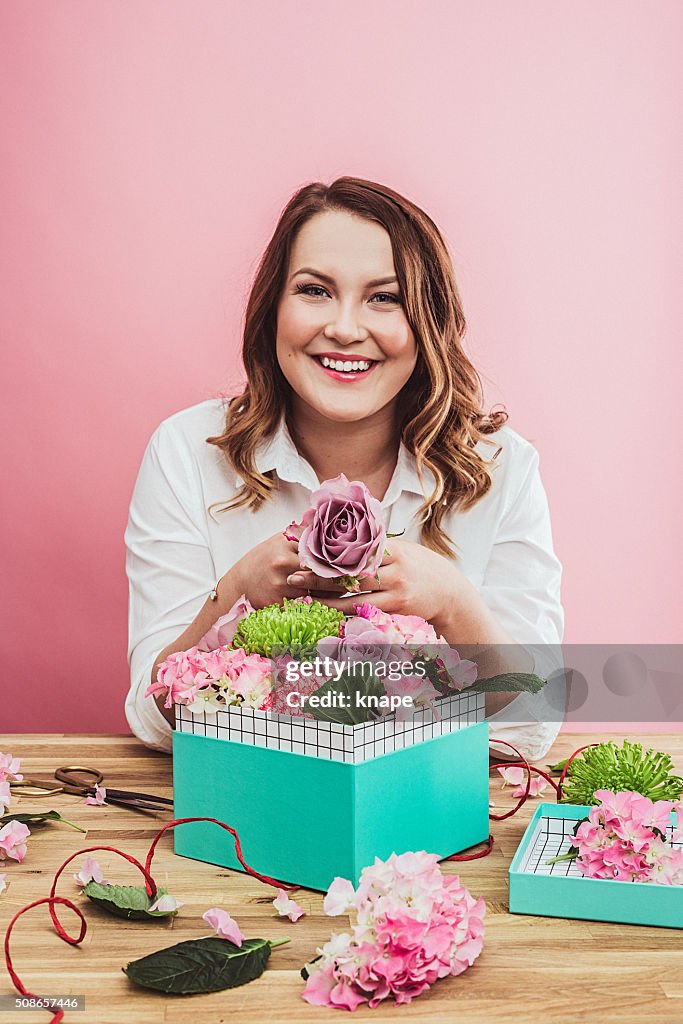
(532, 969)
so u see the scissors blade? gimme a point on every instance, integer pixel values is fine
(133, 805)
(127, 794)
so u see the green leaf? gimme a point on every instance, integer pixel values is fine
(508, 682)
(352, 690)
(559, 767)
(38, 819)
(200, 965)
(129, 901)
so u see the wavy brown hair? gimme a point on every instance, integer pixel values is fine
(443, 418)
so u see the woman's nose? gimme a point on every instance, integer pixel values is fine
(345, 327)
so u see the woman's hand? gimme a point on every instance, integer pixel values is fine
(414, 580)
(262, 574)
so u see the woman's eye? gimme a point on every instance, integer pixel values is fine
(305, 288)
(315, 289)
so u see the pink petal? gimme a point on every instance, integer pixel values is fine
(537, 788)
(223, 925)
(99, 798)
(287, 907)
(90, 872)
(3, 883)
(166, 904)
(318, 987)
(340, 897)
(13, 838)
(513, 776)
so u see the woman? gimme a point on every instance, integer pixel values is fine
(354, 362)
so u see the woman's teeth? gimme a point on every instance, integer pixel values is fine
(346, 365)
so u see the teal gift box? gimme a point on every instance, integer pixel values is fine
(357, 793)
(560, 890)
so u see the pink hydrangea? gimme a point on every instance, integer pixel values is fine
(206, 681)
(413, 926)
(623, 838)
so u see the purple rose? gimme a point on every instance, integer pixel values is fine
(342, 532)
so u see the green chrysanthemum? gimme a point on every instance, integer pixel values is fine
(294, 626)
(620, 769)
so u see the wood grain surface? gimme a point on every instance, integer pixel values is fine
(533, 970)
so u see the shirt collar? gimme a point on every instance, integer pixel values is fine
(278, 452)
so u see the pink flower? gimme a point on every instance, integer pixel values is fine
(179, 676)
(414, 629)
(461, 673)
(413, 926)
(13, 838)
(206, 681)
(513, 776)
(623, 839)
(287, 907)
(537, 788)
(9, 768)
(100, 797)
(223, 630)
(3, 883)
(165, 904)
(224, 925)
(90, 872)
(342, 532)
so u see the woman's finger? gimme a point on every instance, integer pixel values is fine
(345, 604)
(310, 581)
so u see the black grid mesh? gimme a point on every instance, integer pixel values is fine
(349, 743)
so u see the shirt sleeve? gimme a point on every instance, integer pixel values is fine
(521, 586)
(169, 566)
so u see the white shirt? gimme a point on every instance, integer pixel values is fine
(176, 550)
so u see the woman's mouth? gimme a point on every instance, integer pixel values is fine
(346, 369)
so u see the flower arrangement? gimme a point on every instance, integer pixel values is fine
(413, 926)
(247, 654)
(408, 660)
(624, 837)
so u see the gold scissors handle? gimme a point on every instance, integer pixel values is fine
(68, 776)
(67, 782)
(36, 787)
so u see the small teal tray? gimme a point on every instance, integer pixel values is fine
(560, 890)
(305, 819)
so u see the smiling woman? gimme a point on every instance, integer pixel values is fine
(354, 362)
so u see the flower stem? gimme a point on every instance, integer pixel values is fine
(77, 827)
(564, 856)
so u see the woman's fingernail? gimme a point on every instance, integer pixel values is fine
(295, 580)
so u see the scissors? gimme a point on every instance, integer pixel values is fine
(70, 780)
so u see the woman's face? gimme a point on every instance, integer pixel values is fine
(331, 317)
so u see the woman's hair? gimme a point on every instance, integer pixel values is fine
(442, 401)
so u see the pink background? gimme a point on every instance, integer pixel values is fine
(147, 149)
